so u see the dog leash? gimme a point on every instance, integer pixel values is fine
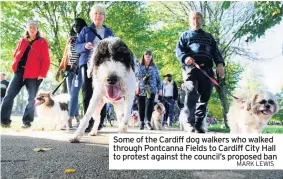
(215, 82)
(61, 83)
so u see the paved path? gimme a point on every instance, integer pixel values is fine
(89, 158)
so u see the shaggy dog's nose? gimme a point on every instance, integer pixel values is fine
(112, 80)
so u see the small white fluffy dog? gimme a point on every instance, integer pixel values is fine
(113, 82)
(184, 125)
(54, 109)
(135, 119)
(251, 115)
(157, 116)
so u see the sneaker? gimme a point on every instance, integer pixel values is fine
(65, 128)
(6, 125)
(27, 125)
(76, 125)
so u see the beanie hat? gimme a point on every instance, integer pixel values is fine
(31, 22)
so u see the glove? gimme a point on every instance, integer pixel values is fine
(74, 67)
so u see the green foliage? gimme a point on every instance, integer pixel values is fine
(142, 25)
(129, 21)
(265, 16)
(279, 115)
(226, 4)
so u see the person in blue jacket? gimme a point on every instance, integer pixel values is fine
(198, 46)
(87, 40)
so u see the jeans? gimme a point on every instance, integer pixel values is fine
(169, 107)
(146, 107)
(87, 91)
(73, 90)
(14, 88)
(198, 89)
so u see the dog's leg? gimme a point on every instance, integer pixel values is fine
(119, 113)
(96, 118)
(127, 113)
(152, 122)
(95, 100)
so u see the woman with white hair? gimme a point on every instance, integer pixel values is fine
(31, 64)
(87, 40)
(197, 46)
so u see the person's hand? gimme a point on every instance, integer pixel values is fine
(88, 46)
(40, 77)
(189, 61)
(160, 93)
(74, 67)
(220, 70)
(57, 75)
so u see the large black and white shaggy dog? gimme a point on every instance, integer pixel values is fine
(113, 82)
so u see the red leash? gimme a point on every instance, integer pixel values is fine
(215, 82)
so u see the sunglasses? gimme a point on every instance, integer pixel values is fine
(148, 54)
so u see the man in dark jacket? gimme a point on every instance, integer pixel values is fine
(197, 46)
(169, 96)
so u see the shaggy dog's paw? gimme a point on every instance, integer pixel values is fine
(92, 133)
(74, 140)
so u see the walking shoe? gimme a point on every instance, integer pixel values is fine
(199, 130)
(6, 125)
(27, 125)
(148, 126)
(100, 127)
(142, 126)
(76, 125)
(88, 129)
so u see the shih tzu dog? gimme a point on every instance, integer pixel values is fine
(53, 109)
(157, 116)
(252, 115)
(114, 82)
(135, 119)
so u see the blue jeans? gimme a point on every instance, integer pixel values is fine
(73, 90)
(14, 88)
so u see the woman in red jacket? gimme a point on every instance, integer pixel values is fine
(30, 66)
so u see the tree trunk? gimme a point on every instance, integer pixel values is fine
(223, 99)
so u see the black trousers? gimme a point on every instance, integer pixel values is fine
(198, 89)
(146, 107)
(87, 91)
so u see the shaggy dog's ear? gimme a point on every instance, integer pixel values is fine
(253, 105)
(101, 52)
(120, 52)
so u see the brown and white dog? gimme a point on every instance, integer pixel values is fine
(135, 119)
(113, 82)
(157, 116)
(53, 109)
(251, 115)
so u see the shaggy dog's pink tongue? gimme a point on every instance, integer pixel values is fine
(112, 91)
